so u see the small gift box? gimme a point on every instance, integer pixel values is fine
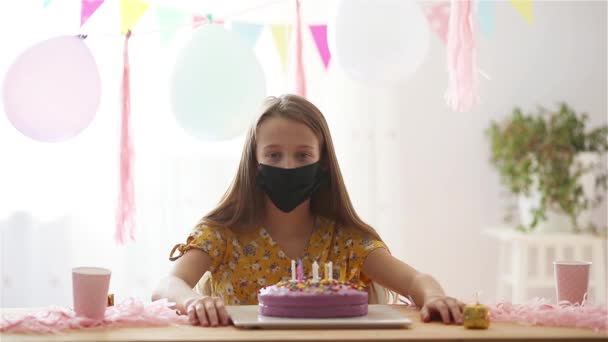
(476, 316)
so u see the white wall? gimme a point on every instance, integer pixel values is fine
(426, 183)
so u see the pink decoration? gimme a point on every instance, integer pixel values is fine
(571, 280)
(300, 79)
(541, 312)
(300, 271)
(130, 313)
(90, 291)
(125, 224)
(52, 90)
(87, 9)
(461, 94)
(438, 17)
(319, 34)
(198, 20)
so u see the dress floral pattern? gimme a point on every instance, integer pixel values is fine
(244, 262)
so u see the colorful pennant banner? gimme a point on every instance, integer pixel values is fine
(282, 36)
(319, 35)
(438, 16)
(485, 16)
(249, 32)
(169, 21)
(524, 8)
(88, 7)
(130, 13)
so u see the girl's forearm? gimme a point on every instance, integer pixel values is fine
(424, 287)
(175, 290)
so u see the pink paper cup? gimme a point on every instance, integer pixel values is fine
(90, 289)
(571, 280)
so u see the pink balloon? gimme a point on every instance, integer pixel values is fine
(52, 90)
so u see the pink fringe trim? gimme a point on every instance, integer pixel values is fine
(130, 313)
(542, 313)
(462, 92)
(125, 224)
(300, 79)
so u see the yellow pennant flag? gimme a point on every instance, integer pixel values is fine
(281, 35)
(524, 7)
(130, 13)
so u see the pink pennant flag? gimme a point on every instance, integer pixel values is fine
(438, 16)
(88, 7)
(319, 34)
(198, 20)
(299, 86)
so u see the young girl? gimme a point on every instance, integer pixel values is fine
(287, 202)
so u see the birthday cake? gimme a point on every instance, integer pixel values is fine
(298, 298)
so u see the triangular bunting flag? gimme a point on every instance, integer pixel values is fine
(130, 13)
(438, 16)
(319, 34)
(198, 20)
(45, 3)
(249, 32)
(282, 36)
(524, 8)
(485, 16)
(87, 8)
(169, 20)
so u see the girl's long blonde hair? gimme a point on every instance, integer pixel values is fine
(242, 204)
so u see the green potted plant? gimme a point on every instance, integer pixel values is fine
(554, 163)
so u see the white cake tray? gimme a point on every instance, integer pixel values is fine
(378, 316)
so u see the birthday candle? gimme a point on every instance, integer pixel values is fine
(293, 270)
(343, 274)
(330, 272)
(315, 272)
(300, 271)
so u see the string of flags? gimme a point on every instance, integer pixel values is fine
(171, 19)
(438, 16)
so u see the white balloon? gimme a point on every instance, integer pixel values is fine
(379, 41)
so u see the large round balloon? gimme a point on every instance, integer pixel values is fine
(378, 41)
(217, 85)
(52, 90)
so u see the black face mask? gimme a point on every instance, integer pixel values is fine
(288, 188)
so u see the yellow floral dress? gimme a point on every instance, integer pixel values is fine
(245, 262)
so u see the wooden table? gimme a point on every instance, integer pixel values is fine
(418, 332)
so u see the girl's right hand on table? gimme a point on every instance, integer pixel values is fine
(207, 311)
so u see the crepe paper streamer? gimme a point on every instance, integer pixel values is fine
(462, 91)
(541, 312)
(298, 73)
(125, 215)
(130, 313)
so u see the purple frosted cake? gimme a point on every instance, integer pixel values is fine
(307, 299)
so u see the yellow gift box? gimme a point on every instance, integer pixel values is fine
(476, 316)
